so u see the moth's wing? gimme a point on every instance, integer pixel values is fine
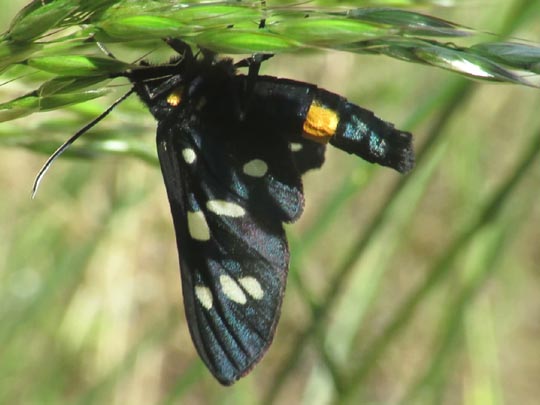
(307, 155)
(229, 193)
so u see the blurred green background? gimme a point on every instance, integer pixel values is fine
(421, 289)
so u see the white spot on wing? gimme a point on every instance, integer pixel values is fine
(232, 290)
(255, 168)
(222, 207)
(204, 295)
(252, 286)
(295, 147)
(197, 226)
(189, 155)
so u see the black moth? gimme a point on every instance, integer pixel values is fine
(232, 150)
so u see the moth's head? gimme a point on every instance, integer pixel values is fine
(179, 83)
(183, 82)
(154, 83)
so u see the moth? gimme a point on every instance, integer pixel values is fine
(232, 149)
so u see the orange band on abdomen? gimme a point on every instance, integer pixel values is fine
(321, 123)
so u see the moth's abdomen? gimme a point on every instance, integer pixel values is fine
(303, 110)
(355, 130)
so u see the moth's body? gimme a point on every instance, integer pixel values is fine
(232, 150)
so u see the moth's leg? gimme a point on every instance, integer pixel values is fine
(253, 63)
(180, 47)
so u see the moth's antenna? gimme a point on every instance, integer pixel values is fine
(104, 49)
(73, 138)
(111, 55)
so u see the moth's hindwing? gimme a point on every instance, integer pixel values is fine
(307, 155)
